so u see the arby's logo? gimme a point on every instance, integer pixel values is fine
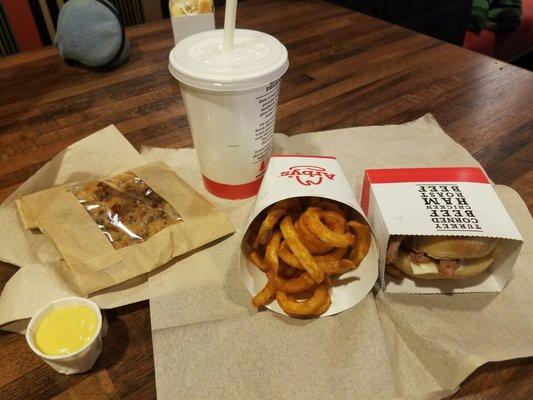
(308, 175)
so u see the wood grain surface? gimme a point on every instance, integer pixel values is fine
(346, 70)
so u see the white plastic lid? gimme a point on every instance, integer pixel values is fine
(257, 59)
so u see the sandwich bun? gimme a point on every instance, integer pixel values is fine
(452, 247)
(467, 268)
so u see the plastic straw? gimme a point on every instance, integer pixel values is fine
(229, 24)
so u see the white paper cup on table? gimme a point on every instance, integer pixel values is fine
(231, 99)
(291, 176)
(188, 17)
(78, 361)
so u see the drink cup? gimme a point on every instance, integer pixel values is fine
(231, 99)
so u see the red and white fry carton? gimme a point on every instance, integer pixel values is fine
(455, 201)
(289, 176)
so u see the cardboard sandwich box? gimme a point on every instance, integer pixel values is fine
(458, 201)
(290, 176)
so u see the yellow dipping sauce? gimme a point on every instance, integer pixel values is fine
(66, 330)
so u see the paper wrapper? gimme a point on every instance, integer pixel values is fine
(93, 263)
(210, 343)
(294, 176)
(191, 16)
(43, 276)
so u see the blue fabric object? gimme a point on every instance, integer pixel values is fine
(91, 32)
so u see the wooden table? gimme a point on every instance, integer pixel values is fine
(346, 70)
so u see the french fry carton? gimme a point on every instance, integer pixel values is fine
(191, 16)
(457, 201)
(289, 176)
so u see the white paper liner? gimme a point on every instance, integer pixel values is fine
(389, 348)
(210, 343)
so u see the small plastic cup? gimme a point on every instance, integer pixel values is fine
(79, 361)
(231, 99)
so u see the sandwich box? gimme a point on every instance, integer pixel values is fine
(455, 201)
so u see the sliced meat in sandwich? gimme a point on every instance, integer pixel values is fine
(441, 257)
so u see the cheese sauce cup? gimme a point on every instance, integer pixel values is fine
(67, 334)
(231, 99)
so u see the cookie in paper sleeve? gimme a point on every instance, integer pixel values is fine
(113, 229)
